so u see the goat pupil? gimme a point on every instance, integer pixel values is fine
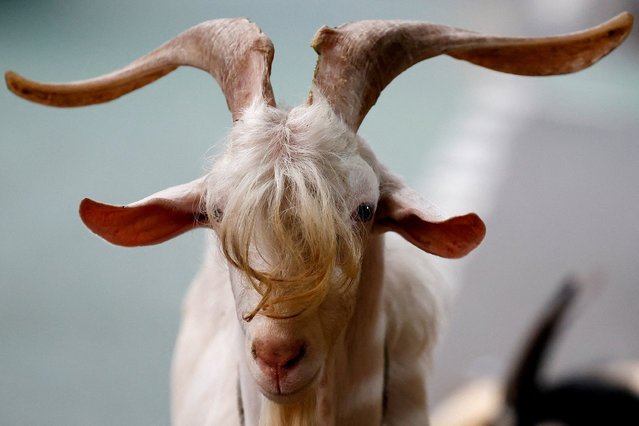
(364, 212)
(217, 214)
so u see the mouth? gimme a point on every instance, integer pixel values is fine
(282, 392)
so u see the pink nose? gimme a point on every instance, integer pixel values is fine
(273, 355)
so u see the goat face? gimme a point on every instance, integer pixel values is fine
(293, 202)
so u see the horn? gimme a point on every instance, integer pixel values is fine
(359, 59)
(234, 51)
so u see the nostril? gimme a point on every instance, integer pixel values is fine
(280, 354)
(293, 361)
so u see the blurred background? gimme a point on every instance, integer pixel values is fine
(551, 164)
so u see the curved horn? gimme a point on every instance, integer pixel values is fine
(234, 51)
(358, 60)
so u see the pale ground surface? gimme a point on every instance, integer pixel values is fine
(87, 329)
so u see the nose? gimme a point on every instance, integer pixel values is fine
(277, 355)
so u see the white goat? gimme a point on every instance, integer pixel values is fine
(301, 314)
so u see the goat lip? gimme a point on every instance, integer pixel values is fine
(283, 393)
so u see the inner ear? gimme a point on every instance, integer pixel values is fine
(422, 225)
(153, 220)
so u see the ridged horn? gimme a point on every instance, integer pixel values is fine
(359, 59)
(234, 51)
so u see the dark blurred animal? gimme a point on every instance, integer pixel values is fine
(607, 396)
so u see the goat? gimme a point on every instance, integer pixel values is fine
(607, 396)
(301, 314)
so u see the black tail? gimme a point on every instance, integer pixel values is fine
(523, 386)
(577, 400)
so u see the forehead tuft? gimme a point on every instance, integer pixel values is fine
(313, 128)
(268, 140)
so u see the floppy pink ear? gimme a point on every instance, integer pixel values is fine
(153, 220)
(406, 213)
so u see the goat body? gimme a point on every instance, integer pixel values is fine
(301, 314)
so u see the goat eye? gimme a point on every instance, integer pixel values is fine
(218, 214)
(364, 212)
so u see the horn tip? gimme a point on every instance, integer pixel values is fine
(28, 89)
(624, 22)
(13, 81)
(626, 17)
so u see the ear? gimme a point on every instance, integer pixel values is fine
(420, 223)
(153, 220)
